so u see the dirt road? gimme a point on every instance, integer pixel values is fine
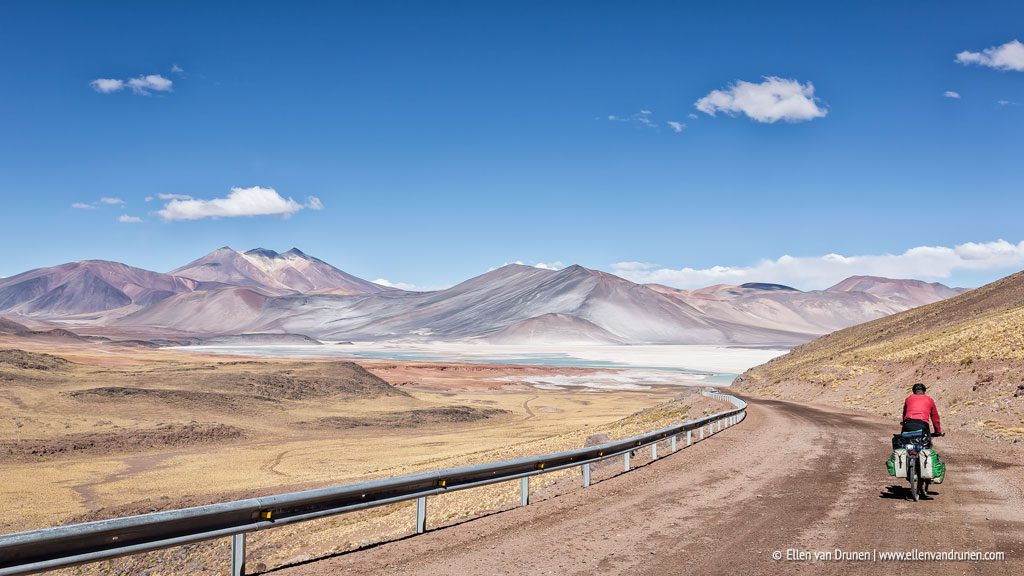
(791, 476)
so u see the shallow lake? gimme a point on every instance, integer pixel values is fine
(690, 365)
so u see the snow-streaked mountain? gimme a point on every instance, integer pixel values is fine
(511, 304)
(853, 301)
(262, 291)
(226, 311)
(553, 329)
(911, 293)
(274, 273)
(89, 286)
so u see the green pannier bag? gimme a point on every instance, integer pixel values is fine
(897, 463)
(932, 468)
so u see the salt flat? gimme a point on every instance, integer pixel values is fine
(713, 361)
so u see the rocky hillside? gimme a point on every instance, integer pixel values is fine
(228, 292)
(968, 350)
(274, 273)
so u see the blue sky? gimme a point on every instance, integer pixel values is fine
(442, 139)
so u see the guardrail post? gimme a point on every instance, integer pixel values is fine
(421, 514)
(238, 554)
(674, 444)
(95, 541)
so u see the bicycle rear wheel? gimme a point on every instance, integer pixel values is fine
(912, 477)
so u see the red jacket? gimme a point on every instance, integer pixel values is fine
(922, 407)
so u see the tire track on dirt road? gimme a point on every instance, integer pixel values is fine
(526, 406)
(789, 476)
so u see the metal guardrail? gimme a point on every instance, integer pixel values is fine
(61, 546)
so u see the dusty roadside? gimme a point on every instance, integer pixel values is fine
(792, 476)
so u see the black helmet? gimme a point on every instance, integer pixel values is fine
(919, 388)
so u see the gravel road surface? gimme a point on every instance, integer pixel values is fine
(791, 479)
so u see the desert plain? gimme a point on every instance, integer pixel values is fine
(92, 431)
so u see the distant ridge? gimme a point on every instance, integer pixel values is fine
(89, 286)
(261, 291)
(968, 350)
(274, 273)
(763, 286)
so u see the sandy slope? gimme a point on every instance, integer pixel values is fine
(968, 350)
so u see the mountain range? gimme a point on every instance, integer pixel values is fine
(290, 272)
(263, 291)
(968, 350)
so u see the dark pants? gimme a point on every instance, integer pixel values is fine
(910, 424)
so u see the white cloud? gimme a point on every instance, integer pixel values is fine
(643, 118)
(676, 127)
(107, 85)
(692, 116)
(922, 262)
(951, 94)
(172, 197)
(111, 201)
(772, 100)
(1009, 56)
(175, 69)
(399, 285)
(635, 266)
(143, 85)
(82, 206)
(254, 201)
(556, 265)
(407, 286)
(126, 219)
(314, 203)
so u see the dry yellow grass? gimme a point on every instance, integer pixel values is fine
(69, 434)
(969, 350)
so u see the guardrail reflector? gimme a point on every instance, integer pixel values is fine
(74, 544)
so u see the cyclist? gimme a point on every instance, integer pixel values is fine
(918, 408)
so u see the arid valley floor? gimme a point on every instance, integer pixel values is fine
(91, 431)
